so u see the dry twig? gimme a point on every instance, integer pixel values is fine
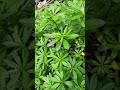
(41, 5)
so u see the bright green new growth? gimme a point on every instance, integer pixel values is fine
(60, 42)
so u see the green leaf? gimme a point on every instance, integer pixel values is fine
(82, 70)
(72, 36)
(94, 24)
(115, 66)
(74, 75)
(101, 38)
(73, 5)
(69, 84)
(79, 63)
(93, 82)
(65, 30)
(27, 21)
(25, 55)
(109, 46)
(108, 86)
(30, 64)
(116, 1)
(58, 45)
(57, 77)
(105, 47)
(83, 82)
(16, 38)
(55, 65)
(26, 79)
(16, 58)
(53, 56)
(4, 73)
(32, 45)
(66, 44)
(87, 82)
(11, 44)
(26, 35)
(48, 35)
(61, 87)
(55, 85)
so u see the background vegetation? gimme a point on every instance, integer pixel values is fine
(16, 45)
(102, 45)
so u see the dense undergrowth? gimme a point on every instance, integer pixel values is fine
(16, 45)
(102, 45)
(60, 43)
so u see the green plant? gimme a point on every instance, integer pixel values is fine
(17, 45)
(59, 50)
(61, 38)
(102, 44)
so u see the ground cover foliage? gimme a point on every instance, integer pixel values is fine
(60, 43)
(16, 45)
(102, 45)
